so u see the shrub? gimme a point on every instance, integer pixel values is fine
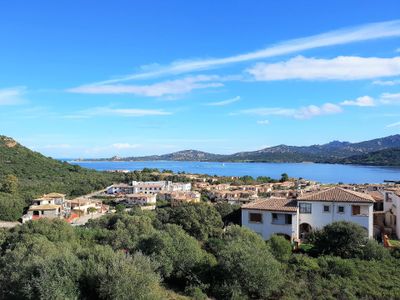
(344, 239)
(280, 248)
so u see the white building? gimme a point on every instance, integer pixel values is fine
(121, 188)
(297, 218)
(335, 204)
(140, 199)
(48, 206)
(391, 207)
(272, 216)
(148, 187)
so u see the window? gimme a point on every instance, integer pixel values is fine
(288, 219)
(274, 216)
(256, 218)
(305, 208)
(327, 208)
(355, 210)
(340, 209)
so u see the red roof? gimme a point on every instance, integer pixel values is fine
(273, 204)
(337, 194)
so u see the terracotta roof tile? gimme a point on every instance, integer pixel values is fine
(273, 204)
(336, 194)
(378, 196)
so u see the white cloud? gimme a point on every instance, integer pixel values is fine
(263, 122)
(123, 146)
(313, 111)
(364, 32)
(338, 68)
(305, 112)
(360, 101)
(389, 98)
(387, 82)
(224, 102)
(267, 111)
(165, 88)
(120, 112)
(12, 96)
(397, 124)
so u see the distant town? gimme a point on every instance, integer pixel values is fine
(289, 207)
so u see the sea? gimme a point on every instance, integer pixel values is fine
(324, 173)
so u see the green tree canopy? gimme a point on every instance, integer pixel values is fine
(246, 268)
(200, 220)
(344, 239)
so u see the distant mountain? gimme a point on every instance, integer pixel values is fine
(331, 152)
(185, 155)
(386, 157)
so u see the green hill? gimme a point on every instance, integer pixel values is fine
(37, 174)
(387, 157)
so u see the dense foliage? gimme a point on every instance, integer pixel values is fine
(25, 174)
(386, 157)
(144, 255)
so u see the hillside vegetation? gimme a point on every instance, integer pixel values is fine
(25, 174)
(387, 157)
(145, 255)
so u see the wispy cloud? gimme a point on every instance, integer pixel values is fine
(360, 101)
(306, 112)
(124, 146)
(165, 88)
(338, 68)
(397, 124)
(263, 122)
(224, 102)
(12, 96)
(390, 98)
(387, 82)
(120, 112)
(364, 32)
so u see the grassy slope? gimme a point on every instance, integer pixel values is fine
(38, 174)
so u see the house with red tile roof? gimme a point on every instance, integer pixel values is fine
(296, 218)
(272, 216)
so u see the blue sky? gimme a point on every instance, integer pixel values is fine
(103, 78)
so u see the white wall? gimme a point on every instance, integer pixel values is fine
(266, 229)
(392, 202)
(318, 218)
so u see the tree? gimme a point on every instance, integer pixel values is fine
(178, 255)
(344, 239)
(246, 268)
(374, 251)
(115, 275)
(229, 213)
(11, 207)
(280, 248)
(284, 177)
(200, 220)
(35, 268)
(9, 184)
(92, 210)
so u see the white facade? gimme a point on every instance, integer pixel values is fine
(149, 187)
(309, 212)
(391, 207)
(323, 213)
(141, 199)
(272, 222)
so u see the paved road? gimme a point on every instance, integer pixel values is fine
(84, 219)
(4, 224)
